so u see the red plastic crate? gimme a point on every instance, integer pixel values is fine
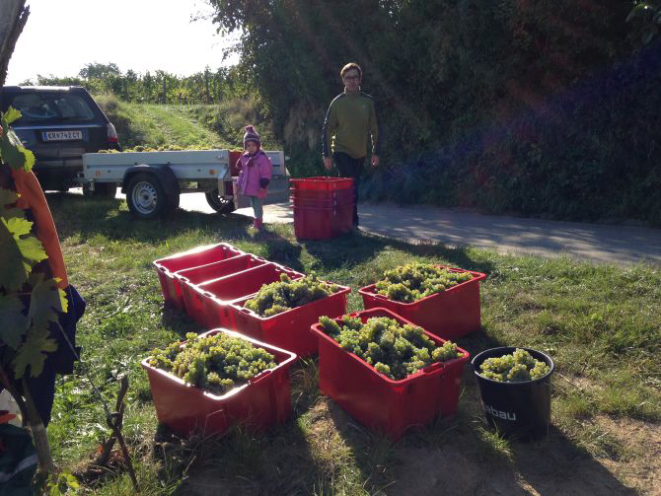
(339, 195)
(190, 278)
(316, 203)
(380, 403)
(322, 223)
(210, 300)
(289, 330)
(323, 183)
(450, 314)
(264, 401)
(202, 255)
(235, 155)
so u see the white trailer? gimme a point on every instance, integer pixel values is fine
(153, 181)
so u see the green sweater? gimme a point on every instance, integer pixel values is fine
(350, 119)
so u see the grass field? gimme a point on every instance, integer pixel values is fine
(601, 324)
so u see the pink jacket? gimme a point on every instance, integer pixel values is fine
(252, 170)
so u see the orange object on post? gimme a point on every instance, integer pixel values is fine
(32, 197)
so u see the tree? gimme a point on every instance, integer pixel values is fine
(96, 70)
(13, 16)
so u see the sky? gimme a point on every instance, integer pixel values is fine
(62, 36)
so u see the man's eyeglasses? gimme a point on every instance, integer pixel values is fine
(350, 78)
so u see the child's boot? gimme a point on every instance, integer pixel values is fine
(259, 224)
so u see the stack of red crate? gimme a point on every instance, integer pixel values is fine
(323, 207)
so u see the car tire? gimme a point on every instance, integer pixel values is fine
(146, 197)
(219, 204)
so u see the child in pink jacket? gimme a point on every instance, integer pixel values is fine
(255, 173)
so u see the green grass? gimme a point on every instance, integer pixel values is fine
(153, 125)
(600, 323)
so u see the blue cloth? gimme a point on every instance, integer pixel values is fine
(59, 362)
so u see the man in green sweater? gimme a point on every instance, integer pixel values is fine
(350, 120)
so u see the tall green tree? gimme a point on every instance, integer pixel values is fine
(95, 70)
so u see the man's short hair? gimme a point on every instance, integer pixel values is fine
(350, 66)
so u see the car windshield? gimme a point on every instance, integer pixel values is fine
(41, 107)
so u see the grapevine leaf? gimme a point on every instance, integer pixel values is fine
(33, 353)
(19, 227)
(12, 115)
(13, 272)
(11, 149)
(9, 197)
(31, 248)
(14, 322)
(46, 301)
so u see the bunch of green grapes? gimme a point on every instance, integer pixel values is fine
(393, 350)
(520, 366)
(415, 281)
(215, 363)
(286, 294)
(161, 148)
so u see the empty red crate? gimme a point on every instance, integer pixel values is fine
(291, 329)
(264, 401)
(190, 278)
(210, 300)
(450, 314)
(380, 403)
(203, 255)
(322, 223)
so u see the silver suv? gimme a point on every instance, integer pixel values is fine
(59, 125)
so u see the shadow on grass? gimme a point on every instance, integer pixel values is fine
(278, 462)
(76, 215)
(358, 247)
(280, 249)
(459, 455)
(178, 321)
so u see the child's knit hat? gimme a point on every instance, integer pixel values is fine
(251, 135)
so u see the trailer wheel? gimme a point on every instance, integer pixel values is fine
(218, 203)
(146, 197)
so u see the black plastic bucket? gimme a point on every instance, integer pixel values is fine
(518, 410)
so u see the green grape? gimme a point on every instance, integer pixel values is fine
(539, 370)
(382, 368)
(329, 325)
(286, 294)
(216, 363)
(518, 373)
(383, 342)
(519, 366)
(448, 351)
(415, 281)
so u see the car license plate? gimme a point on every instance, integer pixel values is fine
(62, 135)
